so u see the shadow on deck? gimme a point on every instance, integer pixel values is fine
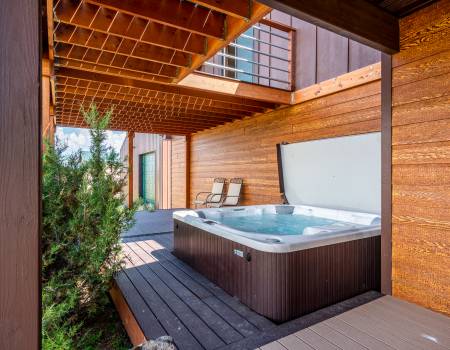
(166, 296)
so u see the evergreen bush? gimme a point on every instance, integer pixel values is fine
(83, 216)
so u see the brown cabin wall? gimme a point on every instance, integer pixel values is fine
(421, 159)
(146, 143)
(321, 54)
(179, 180)
(247, 148)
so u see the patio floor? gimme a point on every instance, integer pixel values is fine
(383, 324)
(149, 223)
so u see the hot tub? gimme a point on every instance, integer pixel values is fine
(283, 261)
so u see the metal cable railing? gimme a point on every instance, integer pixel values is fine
(262, 55)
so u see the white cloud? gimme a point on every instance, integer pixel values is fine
(79, 139)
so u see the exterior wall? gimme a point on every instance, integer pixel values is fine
(421, 159)
(145, 143)
(321, 54)
(247, 148)
(179, 181)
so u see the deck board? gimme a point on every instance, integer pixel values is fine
(167, 296)
(382, 324)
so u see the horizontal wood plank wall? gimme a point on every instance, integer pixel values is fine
(421, 159)
(247, 148)
(179, 172)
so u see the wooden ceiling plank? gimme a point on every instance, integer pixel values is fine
(133, 118)
(180, 90)
(236, 8)
(358, 20)
(155, 33)
(133, 65)
(155, 110)
(179, 14)
(189, 107)
(201, 115)
(150, 96)
(110, 71)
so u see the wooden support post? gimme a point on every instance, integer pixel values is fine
(20, 193)
(188, 171)
(386, 173)
(130, 167)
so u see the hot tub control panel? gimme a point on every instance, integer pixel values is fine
(242, 254)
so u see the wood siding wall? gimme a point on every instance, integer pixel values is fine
(321, 54)
(247, 148)
(179, 179)
(421, 159)
(145, 143)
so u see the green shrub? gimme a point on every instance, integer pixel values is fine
(83, 216)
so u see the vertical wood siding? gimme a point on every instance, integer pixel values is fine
(247, 148)
(145, 143)
(421, 159)
(321, 54)
(282, 286)
(179, 153)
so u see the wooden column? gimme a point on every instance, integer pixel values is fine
(47, 120)
(188, 171)
(20, 154)
(386, 173)
(130, 167)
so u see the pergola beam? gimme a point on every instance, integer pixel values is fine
(236, 8)
(175, 89)
(356, 19)
(179, 14)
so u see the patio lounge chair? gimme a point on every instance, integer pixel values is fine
(213, 197)
(233, 195)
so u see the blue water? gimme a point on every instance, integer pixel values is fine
(273, 224)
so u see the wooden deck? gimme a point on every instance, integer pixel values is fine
(386, 323)
(158, 294)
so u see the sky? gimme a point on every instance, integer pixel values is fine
(76, 138)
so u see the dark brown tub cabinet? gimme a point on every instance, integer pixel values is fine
(282, 286)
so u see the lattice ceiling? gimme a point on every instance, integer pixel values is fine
(108, 51)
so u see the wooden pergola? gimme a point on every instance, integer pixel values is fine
(132, 55)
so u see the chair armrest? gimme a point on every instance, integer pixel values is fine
(198, 194)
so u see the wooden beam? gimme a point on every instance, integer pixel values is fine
(358, 20)
(236, 8)
(112, 44)
(129, 322)
(345, 81)
(235, 27)
(150, 32)
(386, 174)
(130, 167)
(238, 88)
(84, 54)
(180, 90)
(179, 14)
(160, 104)
(20, 163)
(111, 71)
(188, 171)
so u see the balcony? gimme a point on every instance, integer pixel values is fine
(262, 55)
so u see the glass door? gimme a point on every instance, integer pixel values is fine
(147, 177)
